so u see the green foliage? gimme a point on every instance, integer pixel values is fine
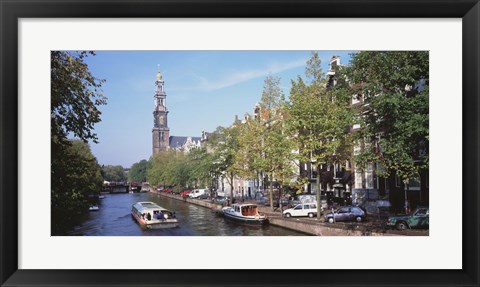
(202, 167)
(318, 120)
(272, 95)
(75, 95)
(226, 151)
(76, 175)
(113, 173)
(249, 159)
(138, 171)
(394, 125)
(162, 170)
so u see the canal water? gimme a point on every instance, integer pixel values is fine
(114, 219)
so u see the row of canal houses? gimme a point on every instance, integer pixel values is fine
(343, 182)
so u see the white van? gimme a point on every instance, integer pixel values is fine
(303, 209)
(196, 193)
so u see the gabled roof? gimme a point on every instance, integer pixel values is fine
(178, 141)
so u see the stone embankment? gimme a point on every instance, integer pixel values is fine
(312, 226)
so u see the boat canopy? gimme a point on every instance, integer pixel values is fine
(144, 207)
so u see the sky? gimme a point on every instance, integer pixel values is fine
(205, 89)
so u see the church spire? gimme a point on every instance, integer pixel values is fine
(160, 131)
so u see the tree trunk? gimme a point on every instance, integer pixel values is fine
(319, 191)
(231, 190)
(271, 191)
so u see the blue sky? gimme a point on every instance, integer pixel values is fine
(205, 89)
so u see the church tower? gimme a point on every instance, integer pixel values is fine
(160, 131)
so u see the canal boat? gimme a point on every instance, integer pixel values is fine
(151, 216)
(245, 213)
(93, 208)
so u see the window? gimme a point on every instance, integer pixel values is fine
(422, 212)
(398, 181)
(358, 179)
(299, 207)
(413, 184)
(356, 149)
(369, 176)
(356, 99)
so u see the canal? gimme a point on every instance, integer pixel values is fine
(114, 219)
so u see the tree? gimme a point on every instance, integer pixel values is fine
(249, 158)
(394, 123)
(227, 151)
(318, 121)
(276, 156)
(138, 171)
(115, 173)
(162, 170)
(272, 95)
(77, 172)
(202, 166)
(75, 95)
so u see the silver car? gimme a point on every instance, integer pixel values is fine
(346, 213)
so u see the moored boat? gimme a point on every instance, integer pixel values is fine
(245, 213)
(93, 208)
(152, 216)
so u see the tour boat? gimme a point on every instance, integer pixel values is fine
(152, 216)
(245, 213)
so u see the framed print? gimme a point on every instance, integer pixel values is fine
(195, 42)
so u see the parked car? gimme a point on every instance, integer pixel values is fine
(220, 193)
(303, 209)
(185, 192)
(276, 203)
(219, 200)
(346, 213)
(308, 198)
(419, 218)
(197, 193)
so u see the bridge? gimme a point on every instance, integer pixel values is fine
(116, 187)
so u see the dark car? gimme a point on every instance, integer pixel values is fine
(219, 200)
(346, 213)
(417, 219)
(276, 202)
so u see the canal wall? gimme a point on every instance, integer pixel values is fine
(308, 227)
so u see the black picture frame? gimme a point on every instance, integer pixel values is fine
(11, 11)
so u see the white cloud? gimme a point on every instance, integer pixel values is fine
(207, 85)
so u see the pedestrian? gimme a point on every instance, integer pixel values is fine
(407, 206)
